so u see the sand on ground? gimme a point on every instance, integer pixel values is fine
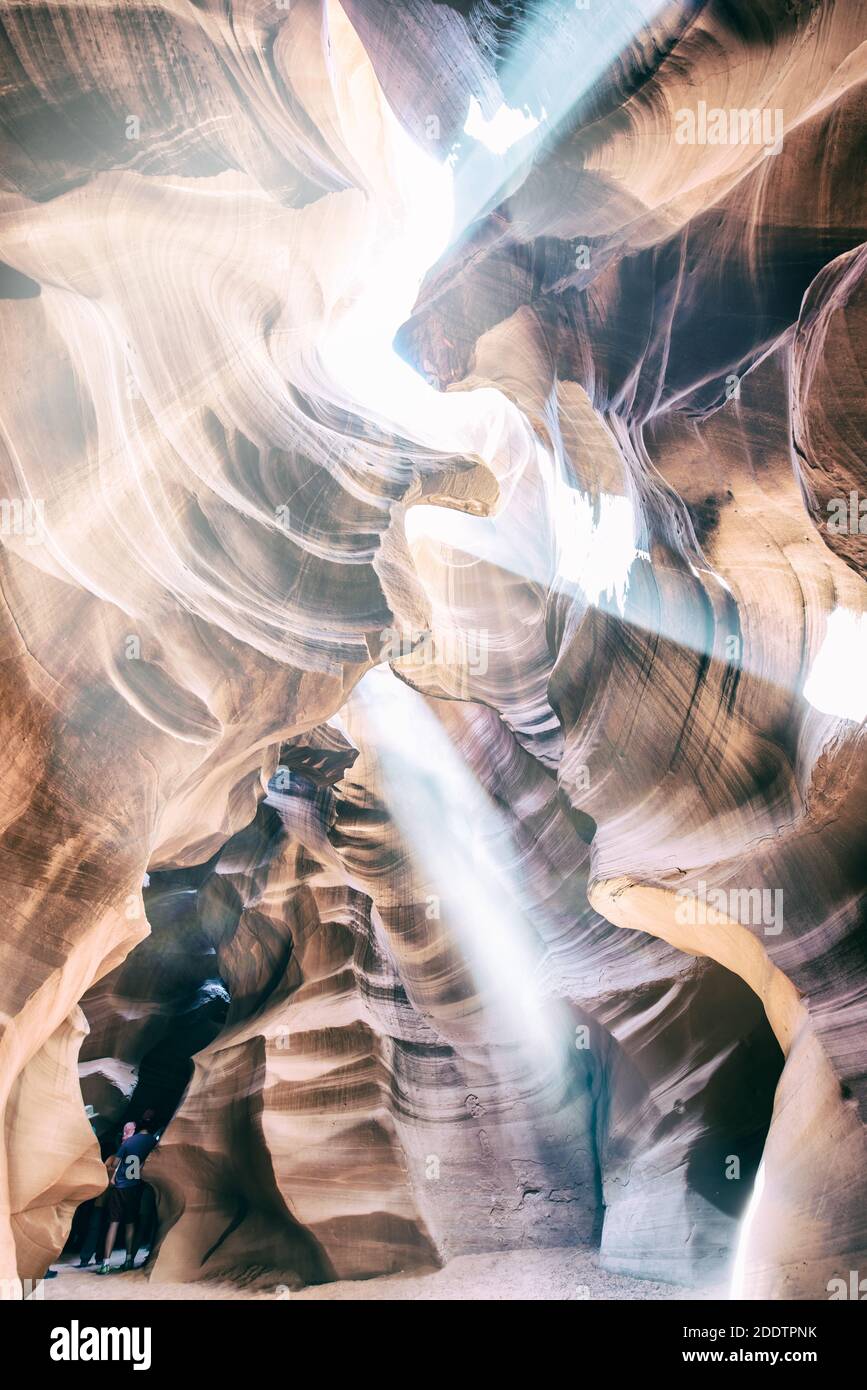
(558, 1274)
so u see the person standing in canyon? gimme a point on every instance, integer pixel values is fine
(91, 1241)
(125, 1191)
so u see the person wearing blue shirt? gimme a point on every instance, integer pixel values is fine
(125, 1191)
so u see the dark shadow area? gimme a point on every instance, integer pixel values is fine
(148, 1019)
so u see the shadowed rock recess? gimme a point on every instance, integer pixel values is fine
(432, 594)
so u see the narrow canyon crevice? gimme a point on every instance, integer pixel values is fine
(432, 571)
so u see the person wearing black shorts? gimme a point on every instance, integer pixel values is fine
(125, 1192)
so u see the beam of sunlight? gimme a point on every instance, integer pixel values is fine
(503, 130)
(837, 682)
(736, 1289)
(461, 844)
(595, 546)
(591, 545)
(553, 63)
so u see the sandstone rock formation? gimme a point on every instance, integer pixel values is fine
(433, 632)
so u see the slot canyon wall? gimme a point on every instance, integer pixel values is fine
(433, 639)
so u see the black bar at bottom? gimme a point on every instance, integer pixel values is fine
(240, 1338)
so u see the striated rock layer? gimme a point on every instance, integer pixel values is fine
(433, 636)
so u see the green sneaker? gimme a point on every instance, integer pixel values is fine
(104, 1268)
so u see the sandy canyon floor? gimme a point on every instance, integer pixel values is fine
(538, 1275)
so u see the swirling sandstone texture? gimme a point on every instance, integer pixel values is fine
(432, 606)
